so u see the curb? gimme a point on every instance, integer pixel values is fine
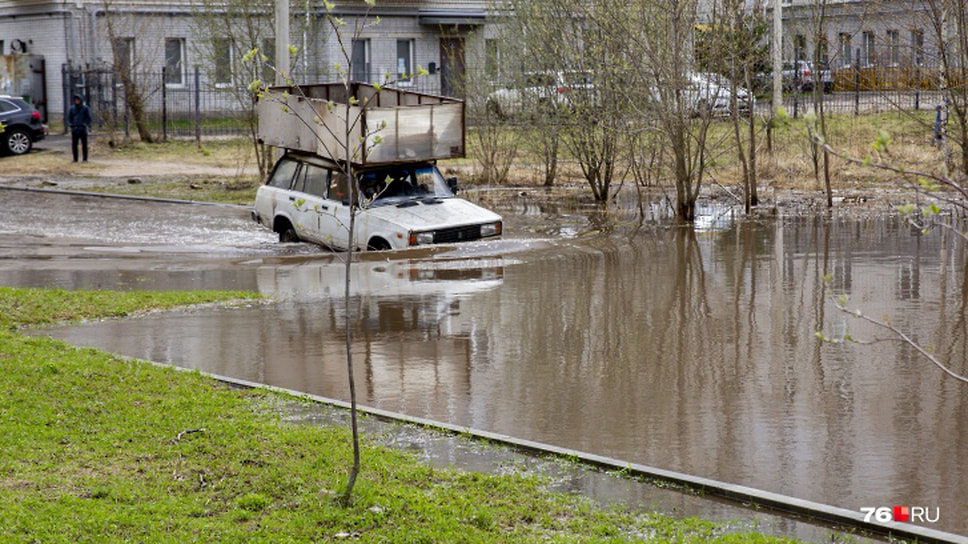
(747, 497)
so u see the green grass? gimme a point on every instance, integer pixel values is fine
(97, 448)
(228, 191)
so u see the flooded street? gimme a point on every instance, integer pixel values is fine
(693, 351)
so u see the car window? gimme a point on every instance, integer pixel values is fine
(282, 175)
(399, 181)
(373, 183)
(540, 80)
(312, 180)
(576, 78)
(7, 106)
(339, 189)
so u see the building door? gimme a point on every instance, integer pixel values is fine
(452, 67)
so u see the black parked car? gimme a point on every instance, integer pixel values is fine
(22, 126)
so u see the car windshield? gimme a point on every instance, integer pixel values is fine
(397, 184)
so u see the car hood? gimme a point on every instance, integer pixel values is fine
(432, 213)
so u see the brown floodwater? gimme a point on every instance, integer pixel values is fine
(687, 349)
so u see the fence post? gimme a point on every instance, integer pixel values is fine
(164, 103)
(857, 84)
(66, 84)
(198, 108)
(917, 87)
(114, 101)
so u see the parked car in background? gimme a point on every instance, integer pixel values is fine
(534, 92)
(798, 76)
(22, 125)
(711, 92)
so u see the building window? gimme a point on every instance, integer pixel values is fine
(799, 47)
(174, 61)
(492, 59)
(823, 52)
(222, 58)
(867, 55)
(917, 46)
(893, 47)
(267, 59)
(404, 60)
(845, 58)
(360, 59)
(124, 56)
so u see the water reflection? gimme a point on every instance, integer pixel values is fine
(694, 351)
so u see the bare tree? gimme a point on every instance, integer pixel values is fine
(948, 22)
(821, 157)
(227, 29)
(495, 136)
(532, 52)
(663, 66)
(129, 65)
(352, 142)
(735, 46)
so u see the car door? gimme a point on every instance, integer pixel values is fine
(334, 214)
(308, 202)
(272, 198)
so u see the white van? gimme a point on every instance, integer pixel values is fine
(400, 205)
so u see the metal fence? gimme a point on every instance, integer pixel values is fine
(183, 109)
(191, 108)
(871, 89)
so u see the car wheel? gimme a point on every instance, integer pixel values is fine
(378, 244)
(288, 235)
(18, 141)
(493, 108)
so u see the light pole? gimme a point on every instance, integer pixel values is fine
(282, 41)
(777, 55)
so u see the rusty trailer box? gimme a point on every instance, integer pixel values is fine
(385, 125)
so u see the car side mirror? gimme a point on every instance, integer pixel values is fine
(452, 184)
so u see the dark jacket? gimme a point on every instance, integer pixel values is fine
(79, 117)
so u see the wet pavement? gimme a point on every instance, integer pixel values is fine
(687, 350)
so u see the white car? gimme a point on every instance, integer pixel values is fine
(711, 92)
(401, 205)
(539, 92)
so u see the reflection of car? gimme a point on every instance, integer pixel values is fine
(400, 205)
(538, 91)
(708, 92)
(395, 279)
(22, 125)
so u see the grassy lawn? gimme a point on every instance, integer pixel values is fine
(199, 188)
(97, 448)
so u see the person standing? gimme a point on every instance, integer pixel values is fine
(79, 118)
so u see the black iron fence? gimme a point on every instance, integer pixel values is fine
(150, 103)
(192, 108)
(869, 89)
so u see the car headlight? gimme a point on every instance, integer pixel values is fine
(490, 229)
(421, 238)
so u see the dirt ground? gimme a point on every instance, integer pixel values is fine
(51, 159)
(50, 165)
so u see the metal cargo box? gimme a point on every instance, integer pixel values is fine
(398, 125)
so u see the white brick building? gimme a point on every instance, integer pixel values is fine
(444, 37)
(861, 33)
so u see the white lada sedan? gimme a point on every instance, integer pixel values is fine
(401, 205)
